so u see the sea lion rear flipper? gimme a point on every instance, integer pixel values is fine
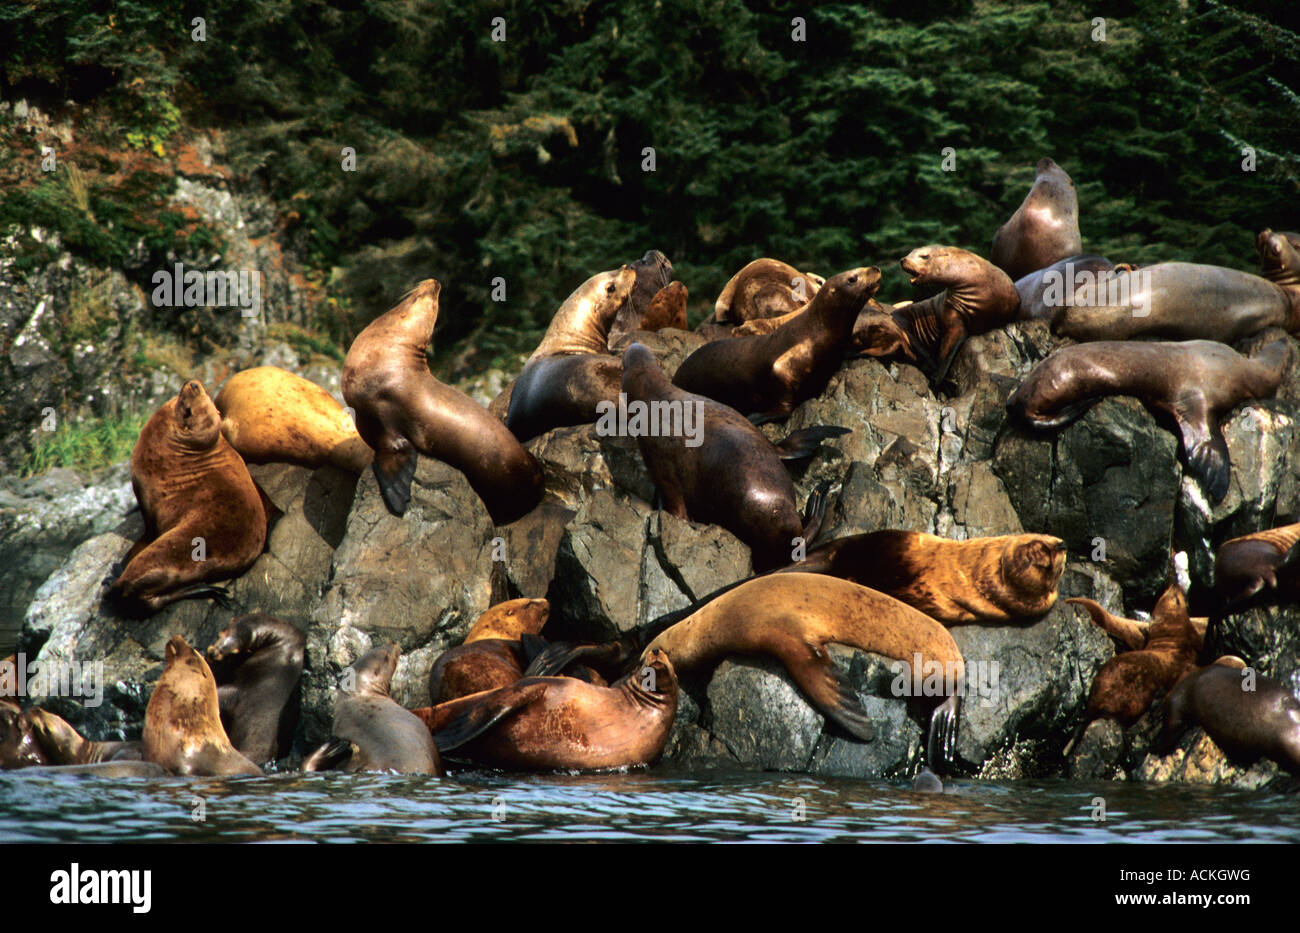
(830, 691)
(803, 444)
(814, 514)
(394, 469)
(330, 756)
(485, 712)
(1207, 452)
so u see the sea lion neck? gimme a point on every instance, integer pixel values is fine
(411, 323)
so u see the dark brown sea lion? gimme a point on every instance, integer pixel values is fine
(1010, 578)
(18, 745)
(64, 745)
(765, 288)
(733, 477)
(1044, 228)
(1244, 566)
(653, 275)
(794, 616)
(491, 655)
(403, 411)
(182, 723)
(257, 662)
(571, 370)
(769, 375)
(1196, 382)
(559, 723)
(1262, 721)
(510, 620)
(371, 732)
(191, 484)
(667, 309)
(272, 416)
(1046, 290)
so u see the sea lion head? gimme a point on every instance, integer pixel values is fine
(640, 369)
(374, 670)
(510, 620)
(654, 269)
(850, 289)
(654, 272)
(654, 679)
(1046, 166)
(1170, 608)
(933, 264)
(195, 417)
(1032, 567)
(1279, 255)
(179, 654)
(18, 747)
(54, 734)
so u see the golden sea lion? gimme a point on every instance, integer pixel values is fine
(765, 288)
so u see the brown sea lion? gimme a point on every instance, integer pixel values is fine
(403, 411)
(272, 416)
(1044, 291)
(1248, 717)
(769, 375)
(1132, 634)
(667, 309)
(998, 580)
(653, 275)
(1044, 228)
(1245, 565)
(1196, 382)
(571, 370)
(64, 745)
(474, 667)
(1279, 258)
(794, 616)
(191, 485)
(764, 288)
(371, 732)
(732, 476)
(559, 723)
(257, 662)
(18, 745)
(510, 620)
(182, 723)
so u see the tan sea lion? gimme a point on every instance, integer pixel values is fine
(1132, 634)
(793, 617)
(257, 662)
(1196, 382)
(559, 723)
(1044, 291)
(182, 723)
(769, 375)
(204, 518)
(371, 732)
(272, 416)
(64, 745)
(732, 475)
(510, 620)
(403, 411)
(667, 309)
(1044, 228)
(997, 580)
(764, 288)
(1245, 565)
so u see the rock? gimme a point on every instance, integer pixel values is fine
(761, 718)
(1197, 760)
(1098, 753)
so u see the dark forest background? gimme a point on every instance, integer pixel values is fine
(522, 158)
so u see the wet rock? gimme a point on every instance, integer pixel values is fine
(761, 718)
(1197, 760)
(1097, 755)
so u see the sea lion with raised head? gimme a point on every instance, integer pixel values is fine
(765, 288)
(559, 723)
(653, 301)
(257, 662)
(1132, 634)
(402, 411)
(64, 745)
(194, 491)
(182, 723)
(1247, 564)
(769, 375)
(996, 580)
(1196, 383)
(371, 732)
(667, 310)
(1044, 228)
(728, 473)
(272, 416)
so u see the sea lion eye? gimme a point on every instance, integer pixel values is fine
(610, 288)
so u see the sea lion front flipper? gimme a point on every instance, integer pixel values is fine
(558, 655)
(394, 469)
(1129, 633)
(803, 444)
(483, 711)
(830, 691)
(815, 513)
(331, 756)
(1206, 450)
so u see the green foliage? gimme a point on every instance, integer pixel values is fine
(85, 445)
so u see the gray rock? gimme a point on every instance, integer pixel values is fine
(761, 718)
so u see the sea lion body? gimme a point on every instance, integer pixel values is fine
(1246, 565)
(117, 768)
(403, 411)
(1044, 228)
(560, 723)
(257, 662)
(18, 745)
(667, 310)
(64, 745)
(182, 723)
(644, 306)
(371, 732)
(473, 667)
(191, 484)
(977, 297)
(998, 580)
(772, 373)
(764, 288)
(1044, 291)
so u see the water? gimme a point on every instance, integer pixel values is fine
(660, 804)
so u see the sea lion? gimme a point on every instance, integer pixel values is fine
(182, 723)
(18, 745)
(191, 484)
(667, 309)
(474, 667)
(769, 375)
(1044, 228)
(794, 616)
(1132, 634)
(653, 275)
(371, 732)
(977, 297)
(402, 411)
(733, 477)
(1245, 565)
(764, 288)
(64, 745)
(571, 370)
(272, 416)
(1279, 259)
(996, 580)
(510, 620)
(559, 723)
(117, 768)
(1262, 721)
(1196, 382)
(1044, 291)
(257, 662)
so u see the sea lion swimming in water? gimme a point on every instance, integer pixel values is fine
(1044, 228)
(1196, 382)
(257, 661)
(64, 745)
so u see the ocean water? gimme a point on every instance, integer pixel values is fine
(657, 804)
